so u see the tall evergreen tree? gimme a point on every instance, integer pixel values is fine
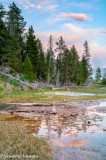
(4, 38)
(16, 26)
(41, 73)
(60, 49)
(98, 74)
(28, 69)
(32, 49)
(64, 76)
(2, 31)
(87, 70)
(75, 61)
(50, 61)
(79, 74)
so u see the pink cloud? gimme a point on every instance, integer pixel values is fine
(76, 17)
(76, 35)
(28, 4)
(26, 7)
(104, 32)
(104, 66)
(20, 2)
(38, 6)
(41, 1)
(51, 7)
(32, 5)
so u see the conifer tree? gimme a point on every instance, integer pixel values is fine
(79, 74)
(98, 74)
(87, 70)
(64, 76)
(2, 31)
(4, 38)
(28, 69)
(50, 61)
(41, 73)
(75, 61)
(16, 26)
(103, 81)
(60, 49)
(32, 49)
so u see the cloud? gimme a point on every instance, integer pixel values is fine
(73, 34)
(41, 1)
(88, 5)
(51, 7)
(38, 6)
(26, 7)
(84, 5)
(75, 16)
(29, 4)
(104, 32)
(34, 1)
(104, 66)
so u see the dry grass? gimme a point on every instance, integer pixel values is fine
(14, 140)
(39, 96)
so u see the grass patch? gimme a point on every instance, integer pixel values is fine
(93, 89)
(14, 140)
(3, 106)
(39, 96)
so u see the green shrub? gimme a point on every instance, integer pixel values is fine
(103, 81)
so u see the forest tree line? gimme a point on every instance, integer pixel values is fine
(24, 53)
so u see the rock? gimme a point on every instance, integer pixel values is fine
(9, 87)
(18, 88)
(89, 122)
(1, 86)
(8, 92)
(104, 130)
(11, 112)
(73, 115)
(25, 88)
(53, 112)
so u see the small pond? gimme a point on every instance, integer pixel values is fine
(77, 131)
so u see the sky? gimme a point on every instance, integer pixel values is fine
(75, 20)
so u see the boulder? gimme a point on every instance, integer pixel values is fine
(25, 88)
(1, 85)
(9, 87)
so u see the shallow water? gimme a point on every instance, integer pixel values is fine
(76, 131)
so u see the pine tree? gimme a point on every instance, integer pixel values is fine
(41, 73)
(50, 61)
(75, 61)
(64, 76)
(98, 74)
(2, 32)
(60, 49)
(79, 74)
(28, 69)
(16, 26)
(103, 81)
(32, 49)
(4, 38)
(87, 70)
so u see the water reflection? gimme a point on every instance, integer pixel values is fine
(78, 131)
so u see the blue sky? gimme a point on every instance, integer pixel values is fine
(75, 20)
